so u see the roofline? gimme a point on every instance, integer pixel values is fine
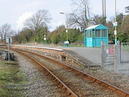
(95, 27)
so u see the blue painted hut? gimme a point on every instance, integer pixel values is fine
(94, 35)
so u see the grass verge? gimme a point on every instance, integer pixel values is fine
(10, 77)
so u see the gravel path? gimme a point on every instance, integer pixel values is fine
(38, 84)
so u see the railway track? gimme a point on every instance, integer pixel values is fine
(81, 75)
(61, 84)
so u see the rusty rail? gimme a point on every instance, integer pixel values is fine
(53, 76)
(86, 76)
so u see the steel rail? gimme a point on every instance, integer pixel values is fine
(86, 76)
(61, 83)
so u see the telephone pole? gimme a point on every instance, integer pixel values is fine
(115, 24)
(104, 8)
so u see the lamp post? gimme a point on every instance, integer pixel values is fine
(115, 34)
(66, 26)
(115, 24)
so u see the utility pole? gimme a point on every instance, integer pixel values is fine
(104, 8)
(66, 27)
(116, 46)
(115, 25)
(104, 11)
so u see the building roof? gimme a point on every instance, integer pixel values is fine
(100, 26)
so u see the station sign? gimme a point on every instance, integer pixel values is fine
(9, 40)
(115, 32)
(115, 24)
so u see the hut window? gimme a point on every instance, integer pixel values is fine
(97, 33)
(88, 34)
(91, 33)
(104, 33)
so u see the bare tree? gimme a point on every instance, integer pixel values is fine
(6, 31)
(38, 20)
(99, 19)
(81, 15)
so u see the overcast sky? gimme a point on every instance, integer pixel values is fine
(15, 12)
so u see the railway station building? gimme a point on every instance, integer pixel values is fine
(94, 35)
